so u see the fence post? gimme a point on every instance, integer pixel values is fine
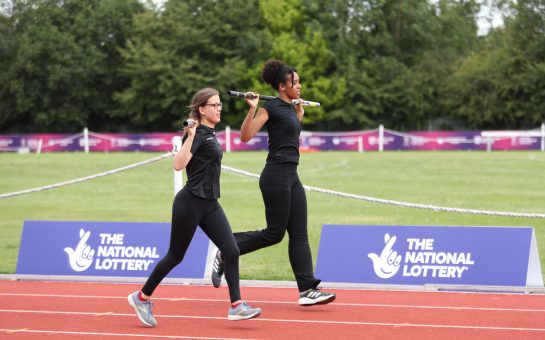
(228, 138)
(178, 178)
(86, 139)
(360, 144)
(380, 137)
(542, 136)
(40, 144)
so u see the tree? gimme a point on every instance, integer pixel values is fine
(407, 64)
(61, 67)
(299, 42)
(187, 46)
(395, 57)
(503, 86)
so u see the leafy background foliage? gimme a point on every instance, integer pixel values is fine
(130, 65)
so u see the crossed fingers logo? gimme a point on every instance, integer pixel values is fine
(81, 257)
(388, 262)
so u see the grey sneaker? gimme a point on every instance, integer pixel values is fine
(218, 266)
(143, 309)
(315, 297)
(243, 312)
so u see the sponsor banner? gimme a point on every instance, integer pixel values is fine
(116, 249)
(259, 142)
(345, 141)
(130, 142)
(515, 143)
(309, 141)
(47, 142)
(459, 140)
(418, 255)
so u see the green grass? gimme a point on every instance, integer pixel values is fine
(501, 181)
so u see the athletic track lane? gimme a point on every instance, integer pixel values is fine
(76, 310)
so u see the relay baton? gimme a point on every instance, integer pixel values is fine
(263, 97)
(188, 123)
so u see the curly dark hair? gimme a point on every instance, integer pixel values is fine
(276, 72)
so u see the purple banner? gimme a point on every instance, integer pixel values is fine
(116, 249)
(47, 142)
(131, 142)
(368, 140)
(345, 141)
(417, 255)
(460, 140)
(258, 143)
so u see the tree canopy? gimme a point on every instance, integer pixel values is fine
(129, 65)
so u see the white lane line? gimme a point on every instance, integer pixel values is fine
(307, 321)
(148, 336)
(524, 310)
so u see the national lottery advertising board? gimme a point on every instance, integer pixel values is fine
(117, 249)
(418, 255)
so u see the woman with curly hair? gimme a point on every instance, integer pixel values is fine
(283, 194)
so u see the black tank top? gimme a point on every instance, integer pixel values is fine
(284, 129)
(204, 168)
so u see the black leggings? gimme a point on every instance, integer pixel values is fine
(188, 211)
(285, 209)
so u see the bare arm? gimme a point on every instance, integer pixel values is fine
(253, 122)
(183, 156)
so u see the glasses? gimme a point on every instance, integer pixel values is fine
(216, 105)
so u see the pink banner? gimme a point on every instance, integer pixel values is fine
(368, 140)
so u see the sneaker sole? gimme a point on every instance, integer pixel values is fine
(131, 302)
(241, 317)
(311, 302)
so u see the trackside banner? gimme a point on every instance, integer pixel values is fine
(417, 255)
(116, 249)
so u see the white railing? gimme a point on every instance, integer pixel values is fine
(492, 136)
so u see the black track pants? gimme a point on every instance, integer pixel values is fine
(188, 212)
(285, 209)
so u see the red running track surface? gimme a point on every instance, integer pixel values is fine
(76, 310)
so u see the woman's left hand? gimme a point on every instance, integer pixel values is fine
(299, 109)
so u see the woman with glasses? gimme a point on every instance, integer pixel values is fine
(197, 205)
(283, 194)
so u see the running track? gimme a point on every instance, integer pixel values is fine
(76, 310)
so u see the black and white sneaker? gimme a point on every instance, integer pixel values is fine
(218, 265)
(315, 297)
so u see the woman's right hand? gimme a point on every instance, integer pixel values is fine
(190, 131)
(254, 101)
(183, 156)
